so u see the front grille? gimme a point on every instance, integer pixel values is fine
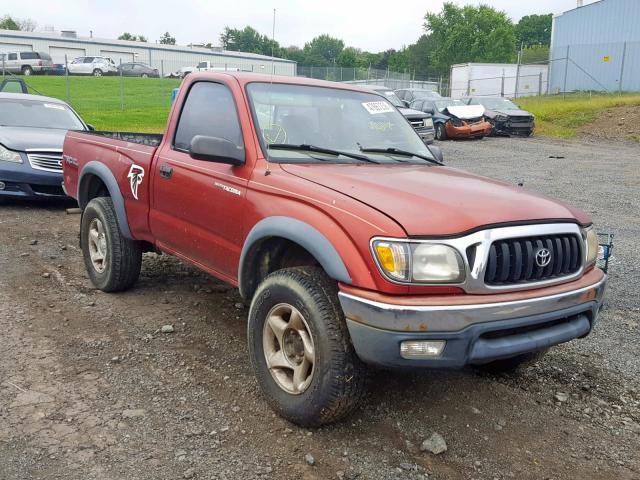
(520, 119)
(47, 161)
(513, 260)
(417, 124)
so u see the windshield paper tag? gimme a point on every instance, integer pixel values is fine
(377, 107)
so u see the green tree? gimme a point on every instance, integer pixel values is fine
(293, 53)
(248, 40)
(8, 23)
(534, 30)
(133, 38)
(419, 55)
(167, 39)
(535, 54)
(348, 57)
(323, 50)
(470, 34)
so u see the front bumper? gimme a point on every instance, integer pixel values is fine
(479, 129)
(475, 333)
(426, 134)
(513, 128)
(21, 180)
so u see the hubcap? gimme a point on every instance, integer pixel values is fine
(97, 245)
(288, 348)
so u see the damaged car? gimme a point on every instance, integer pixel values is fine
(454, 119)
(506, 117)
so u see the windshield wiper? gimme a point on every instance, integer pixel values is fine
(312, 148)
(397, 151)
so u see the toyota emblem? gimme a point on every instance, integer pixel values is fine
(543, 257)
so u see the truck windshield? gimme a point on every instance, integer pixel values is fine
(331, 119)
(37, 114)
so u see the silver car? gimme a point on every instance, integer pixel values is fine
(25, 63)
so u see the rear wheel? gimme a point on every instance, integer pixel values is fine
(27, 70)
(112, 261)
(441, 131)
(300, 348)
(97, 72)
(144, 75)
(508, 365)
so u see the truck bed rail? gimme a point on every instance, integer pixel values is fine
(149, 139)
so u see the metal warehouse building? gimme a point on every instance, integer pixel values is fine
(596, 47)
(166, 58)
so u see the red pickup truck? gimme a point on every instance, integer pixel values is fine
(349, 239)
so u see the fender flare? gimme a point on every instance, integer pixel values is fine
(299, 232)
(101, 171)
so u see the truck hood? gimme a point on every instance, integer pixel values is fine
(25, 138)
(433, 200)
(466, 111)
(411, 113)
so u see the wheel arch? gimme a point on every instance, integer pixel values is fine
(95, 180)
(287, 231)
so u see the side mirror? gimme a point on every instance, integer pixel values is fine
(214, 149)
(90, 127)
(437, 152)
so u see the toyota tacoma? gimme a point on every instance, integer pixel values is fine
(350, 240)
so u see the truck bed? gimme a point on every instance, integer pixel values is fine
(148, 139)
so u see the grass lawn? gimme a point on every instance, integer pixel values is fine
(558, 117)
(100, 101)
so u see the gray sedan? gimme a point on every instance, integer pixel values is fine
(137, 70)
(32, 131)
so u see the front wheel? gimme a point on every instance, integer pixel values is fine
(97, 72)
(144, 75)
(27, 71)
(300, 348)
(441, 131)
(112, 261)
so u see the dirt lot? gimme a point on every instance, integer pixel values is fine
(622, 123)
(91, 389)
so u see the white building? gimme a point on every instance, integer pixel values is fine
(498, 80)
(166, 58)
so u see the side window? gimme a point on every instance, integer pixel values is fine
(208, 110)
(88, 60)
(401, 94)
(13, 56)
(29, 55)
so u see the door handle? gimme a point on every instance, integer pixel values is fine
(166, 171)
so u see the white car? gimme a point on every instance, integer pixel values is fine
(96, 66)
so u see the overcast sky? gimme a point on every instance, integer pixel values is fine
(369, 25)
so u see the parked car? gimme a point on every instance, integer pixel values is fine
(25, 63)
(420, 121)
(506, 117)
(138, 70)
(408, 95)
(352, 242)
(32, 130)
(454, 119)
(96, 66)
(57, 69)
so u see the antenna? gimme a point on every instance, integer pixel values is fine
(273, 45)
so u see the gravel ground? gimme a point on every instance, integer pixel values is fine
(91, 388)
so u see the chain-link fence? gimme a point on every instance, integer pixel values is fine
(604, 67)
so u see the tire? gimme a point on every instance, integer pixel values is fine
(97, 72)
(441, 131)
(336, 380)
(509, 365)
(144, 75)
(121, 257)
(27, 71)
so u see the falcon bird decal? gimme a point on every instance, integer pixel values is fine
(136, 174)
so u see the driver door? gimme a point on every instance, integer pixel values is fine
(198, 206)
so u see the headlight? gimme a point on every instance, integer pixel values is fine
(501, 118)
(418, 262)
(592, 243)
(9, 155)
(428, 122)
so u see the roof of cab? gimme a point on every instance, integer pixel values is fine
(249, 77)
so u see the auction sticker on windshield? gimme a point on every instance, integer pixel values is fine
(377, 107)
